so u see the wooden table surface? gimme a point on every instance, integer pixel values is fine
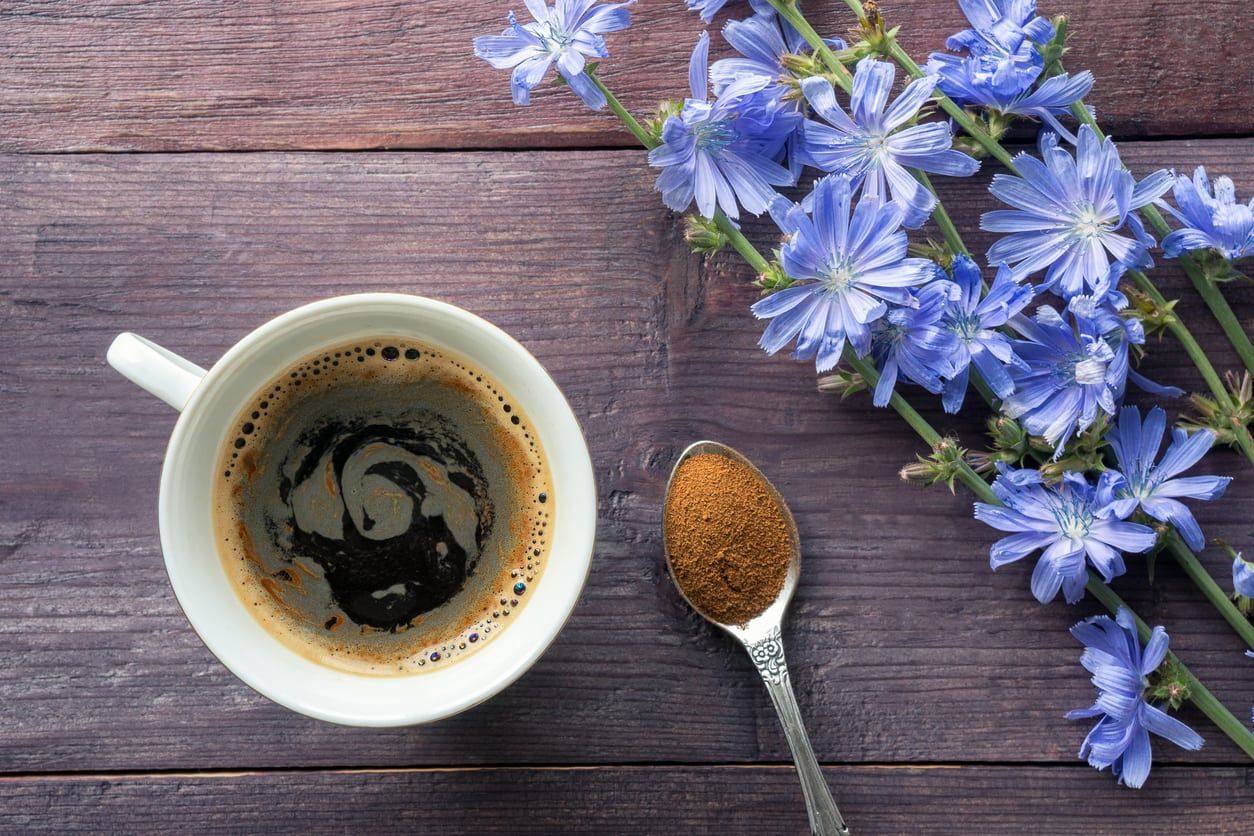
(188, 169)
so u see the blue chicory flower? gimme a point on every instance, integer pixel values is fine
(1154, 487)
(1215, 221)
(1000, 26)
(975, 319)
(762, 41)
(723, 153)
(847, 261)
(708, 8)
(869, 144)
(971, 83)
(1242, 576)
(1120, 667)
(1101, 315)
(914, 341)
(567, 33)
(1068, 213)
(1001, 60)
(1070, 521)
(1070, 371)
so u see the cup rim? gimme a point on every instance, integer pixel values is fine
(576, 461)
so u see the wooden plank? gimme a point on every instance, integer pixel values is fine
(83, 75)
(725, 800)
(904, 646)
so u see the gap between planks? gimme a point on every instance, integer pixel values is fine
(223, 774)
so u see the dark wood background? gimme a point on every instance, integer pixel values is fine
(188, 169)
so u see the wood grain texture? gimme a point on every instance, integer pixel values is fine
(730, 800)
(904, 646)
(81, 75)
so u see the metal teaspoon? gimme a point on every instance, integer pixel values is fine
(761, 637)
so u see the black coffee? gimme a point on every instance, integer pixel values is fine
(384, 506)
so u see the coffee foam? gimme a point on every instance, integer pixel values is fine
(383, 507)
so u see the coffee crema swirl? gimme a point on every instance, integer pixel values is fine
(385, 507)
(410, 503)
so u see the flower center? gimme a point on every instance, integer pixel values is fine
(877, 144)
(838, 276)
(554, 38)
(1087, 224)
(889, 334)
(1074, 518)
(1089, 368)
(964, 325)
(714, 136)
(1089, 371)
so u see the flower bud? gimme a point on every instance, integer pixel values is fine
(944, 465)
(1169, 684)
(1223, 421)
(842, 382)
(1010, 439)
(703, 235)
(802, 65)
(773, 278)
(657, 122)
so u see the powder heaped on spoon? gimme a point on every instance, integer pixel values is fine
(727, 537)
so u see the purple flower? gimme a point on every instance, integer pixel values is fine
(975, 320)
(1001, 61)
(1242, 577)
(1154, 487)
(847, 261)
(914, 341)
(970, 82)
(1215, 221)
(1068, 213)
(762, 41)
(723, 153)
(1120, 740)
(871, 145)
(1000, 26)
(1070, 371)
(567, 33)
(708, 8)
(1071, 521)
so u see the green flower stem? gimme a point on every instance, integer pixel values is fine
(789, 11)
(740, 243)
(1198, 694)
(1204, 284)
(989, 396)
(624, 116)
(1214, 593)
(943, 222)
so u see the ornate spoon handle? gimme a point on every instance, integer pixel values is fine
(768, 656)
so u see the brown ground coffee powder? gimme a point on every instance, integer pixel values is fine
(727, 537)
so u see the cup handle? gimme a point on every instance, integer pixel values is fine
(154, 369)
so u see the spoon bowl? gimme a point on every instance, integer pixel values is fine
(762, 638)
(760, 625)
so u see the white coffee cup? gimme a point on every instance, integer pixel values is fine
(210, 401)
